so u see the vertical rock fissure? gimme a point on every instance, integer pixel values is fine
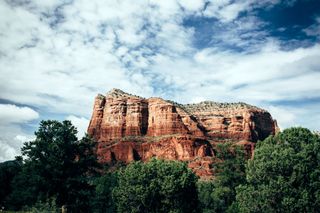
(145, 118)
(124, 123)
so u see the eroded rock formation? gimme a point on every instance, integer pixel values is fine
(129, 127)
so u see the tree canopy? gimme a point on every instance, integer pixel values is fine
(156, 186)
(8, 170)
(57, 169)
(57, 165)
(284, 174)
(219, 195)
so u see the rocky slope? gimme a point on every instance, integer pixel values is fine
(129, 127)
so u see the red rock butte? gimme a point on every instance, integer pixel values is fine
(129, 127)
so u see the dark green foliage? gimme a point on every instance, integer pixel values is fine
(8, 170)
(104, 185)
(56, 165)
(206, 202)
(45, 206)
(25, 189)
(219, 195)
(284, 174)
(156, 186)
(58, 169)
(230, 171)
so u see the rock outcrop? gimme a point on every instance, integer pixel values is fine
(129, 127)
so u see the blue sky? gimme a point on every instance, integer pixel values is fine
(55, 56)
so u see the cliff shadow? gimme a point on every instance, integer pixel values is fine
(144, 119)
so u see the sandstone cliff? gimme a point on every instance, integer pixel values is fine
(129, 127)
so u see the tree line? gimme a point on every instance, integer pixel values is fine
(59, 171)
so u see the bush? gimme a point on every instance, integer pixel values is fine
(156, 186)
(48, 206)
(284, 174)
(219, 195)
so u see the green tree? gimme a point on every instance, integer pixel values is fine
(57, 165)
(205, 189)
(25, 189)
(8, 170)
(219, 195)
(47, 206)
(104, 185)
(156, 186)
(284, 174)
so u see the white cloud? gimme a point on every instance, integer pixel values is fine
(11, 142)
(21, 138)
(197, 99)
(314, 29)
(192, 5)
(81, 123)
(91, 50)
(270, 75)
(58, 58)
(306, 116)
(7, 152)
(286, 116)
(225, 10)
(12, 134)
(10, 113)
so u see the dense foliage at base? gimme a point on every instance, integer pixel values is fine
(156, 186)
(220, 195)
(57, 170)
(284, 175)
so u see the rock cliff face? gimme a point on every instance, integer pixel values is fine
(129, 127)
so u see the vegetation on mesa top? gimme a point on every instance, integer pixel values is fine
(117, 93)
(207, 106)
(190, 108)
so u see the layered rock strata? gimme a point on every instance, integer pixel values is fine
(129, 127)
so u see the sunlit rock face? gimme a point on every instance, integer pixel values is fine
(129, 127)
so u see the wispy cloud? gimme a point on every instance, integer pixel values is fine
(12, 119)
(80, 123)
(10, 113)
(314, 29)
(57, 55)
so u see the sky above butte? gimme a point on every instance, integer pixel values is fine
(56, 55)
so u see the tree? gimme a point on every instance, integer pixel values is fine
(104, 185)
(57, 166)
(156, 186)
(219, 195)
(8, 170)
(25, 189)
(284, 174)
(205, 189)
